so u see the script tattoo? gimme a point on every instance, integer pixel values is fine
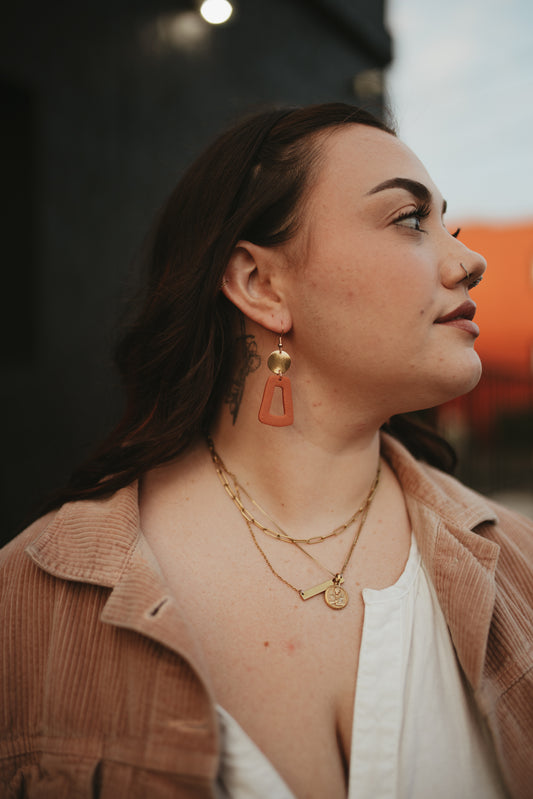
(249, 361)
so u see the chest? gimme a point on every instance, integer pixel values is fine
(285, 669)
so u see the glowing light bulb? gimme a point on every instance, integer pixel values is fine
(216, 11)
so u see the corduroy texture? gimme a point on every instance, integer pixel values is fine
(104, 692)
(95, 700)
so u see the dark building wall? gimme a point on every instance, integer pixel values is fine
(103, 106)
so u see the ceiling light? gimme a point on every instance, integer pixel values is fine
(216, 11)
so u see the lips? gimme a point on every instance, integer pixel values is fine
(462, 318)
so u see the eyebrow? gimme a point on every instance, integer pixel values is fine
(418, 190)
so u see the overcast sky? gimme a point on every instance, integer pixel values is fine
(461, 90)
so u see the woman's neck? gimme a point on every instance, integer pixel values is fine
(304, 475)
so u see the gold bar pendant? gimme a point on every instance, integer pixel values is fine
(317, 589)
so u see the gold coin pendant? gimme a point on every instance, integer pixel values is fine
(336, 597)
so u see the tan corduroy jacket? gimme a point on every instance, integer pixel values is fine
(104, 691)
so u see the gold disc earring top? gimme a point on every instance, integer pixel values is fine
(279, 361)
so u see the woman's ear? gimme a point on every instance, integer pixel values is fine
(253, 282)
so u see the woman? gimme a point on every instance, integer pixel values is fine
(254, 590)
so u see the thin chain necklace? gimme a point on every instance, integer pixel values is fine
(225, 476)
(335, 596)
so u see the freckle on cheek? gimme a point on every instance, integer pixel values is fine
(266, 643)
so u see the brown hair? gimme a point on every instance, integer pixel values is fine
(177, 357)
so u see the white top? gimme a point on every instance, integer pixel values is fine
(416, 732)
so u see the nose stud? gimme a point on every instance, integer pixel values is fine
(467, 273)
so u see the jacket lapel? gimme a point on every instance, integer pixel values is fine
(100, 542)
(141, 601)
(448, 519)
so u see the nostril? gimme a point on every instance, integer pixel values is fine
(475, 282)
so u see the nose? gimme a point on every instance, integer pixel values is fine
(464, 266)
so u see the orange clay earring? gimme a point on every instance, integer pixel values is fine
(278, 362)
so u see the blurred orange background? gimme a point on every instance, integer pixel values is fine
(505, 318)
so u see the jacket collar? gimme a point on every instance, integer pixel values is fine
(453, 502)
(91, 541)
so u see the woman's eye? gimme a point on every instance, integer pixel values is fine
(412, 221)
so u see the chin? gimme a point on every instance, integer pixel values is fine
(452, 381)
(461, 381)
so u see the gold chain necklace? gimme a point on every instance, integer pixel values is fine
(279, 534)
(335, 596)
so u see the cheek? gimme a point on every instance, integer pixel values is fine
(362, 284)
(331, 300)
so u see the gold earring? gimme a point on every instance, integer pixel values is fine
(278, 362)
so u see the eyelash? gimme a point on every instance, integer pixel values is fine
(422, 212)
(419, 213)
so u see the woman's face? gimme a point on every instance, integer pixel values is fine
(376, 271)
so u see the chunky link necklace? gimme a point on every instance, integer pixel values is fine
(335, 596)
